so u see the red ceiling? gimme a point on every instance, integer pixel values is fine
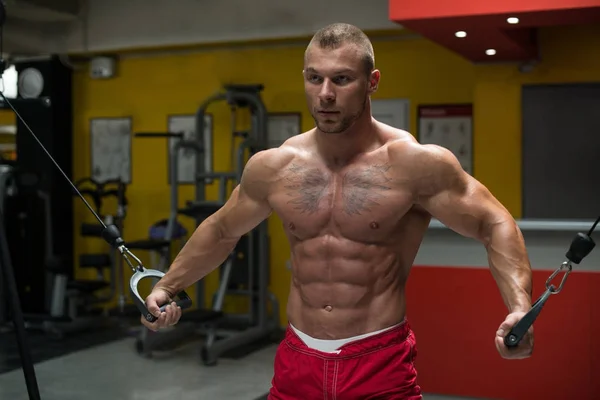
(486, 23)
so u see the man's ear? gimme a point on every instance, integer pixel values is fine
(374, 79)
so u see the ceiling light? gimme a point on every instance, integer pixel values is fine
(460, 34)
(513, 20)
(490, 52)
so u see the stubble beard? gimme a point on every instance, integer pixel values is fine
(341, 126)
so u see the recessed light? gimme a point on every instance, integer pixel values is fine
(513, 20)
(460, 34)
(490, 52)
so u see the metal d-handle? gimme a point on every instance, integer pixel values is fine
(183, 301)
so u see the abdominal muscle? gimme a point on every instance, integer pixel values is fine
(341, 288)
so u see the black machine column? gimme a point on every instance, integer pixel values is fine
(45, 102)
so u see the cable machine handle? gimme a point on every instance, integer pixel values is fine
(581, 246)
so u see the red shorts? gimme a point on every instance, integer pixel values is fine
(376, 367)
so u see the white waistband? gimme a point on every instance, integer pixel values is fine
(332, 346)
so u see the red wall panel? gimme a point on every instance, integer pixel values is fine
(455, 313)
(595, 334)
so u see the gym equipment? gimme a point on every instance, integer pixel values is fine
(245, 272)
(156, 246)
(25, 207)
(50, 115)
(110, 233)
(98, 192)
(581, 246)
(27, 210)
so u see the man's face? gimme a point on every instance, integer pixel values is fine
(337, 86)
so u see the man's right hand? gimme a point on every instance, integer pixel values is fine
(169, 317)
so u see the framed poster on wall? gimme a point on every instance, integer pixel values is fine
(449, 126)
(393, 112)
(186, 166)
(282, 126)
(110, 141)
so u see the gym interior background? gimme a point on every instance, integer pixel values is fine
(534, 139)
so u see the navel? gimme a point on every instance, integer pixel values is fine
(291, 226)
(328, 308)
(374, 225)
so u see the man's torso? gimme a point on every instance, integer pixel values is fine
(354, 232)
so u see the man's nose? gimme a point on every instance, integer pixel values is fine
(327, 94)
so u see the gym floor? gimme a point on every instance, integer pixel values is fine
(104, 365)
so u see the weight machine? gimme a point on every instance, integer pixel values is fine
(246, 271)
(58, 305)
(98, 192)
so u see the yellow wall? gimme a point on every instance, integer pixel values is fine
(149, 89)
(569, 54)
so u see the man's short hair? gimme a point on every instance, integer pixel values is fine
(335, 35)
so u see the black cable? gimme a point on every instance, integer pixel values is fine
(593, 227)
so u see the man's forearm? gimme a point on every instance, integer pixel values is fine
(205, 251)
(510, 265)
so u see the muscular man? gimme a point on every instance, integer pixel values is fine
(356, 197)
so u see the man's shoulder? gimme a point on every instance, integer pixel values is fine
(275, 159)
(406, 149)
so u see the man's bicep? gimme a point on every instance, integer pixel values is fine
(465, 211)
(459, 201)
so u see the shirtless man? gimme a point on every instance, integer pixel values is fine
(355, 197)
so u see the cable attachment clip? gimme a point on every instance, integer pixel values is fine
(126, 254)
(112, 236)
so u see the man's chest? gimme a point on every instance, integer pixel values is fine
(363, 202)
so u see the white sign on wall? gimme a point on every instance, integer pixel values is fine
(449, 126)
(111, 149)
(393, 112)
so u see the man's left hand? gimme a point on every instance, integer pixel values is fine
(525, 347)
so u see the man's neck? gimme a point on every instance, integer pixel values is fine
(338, 149)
